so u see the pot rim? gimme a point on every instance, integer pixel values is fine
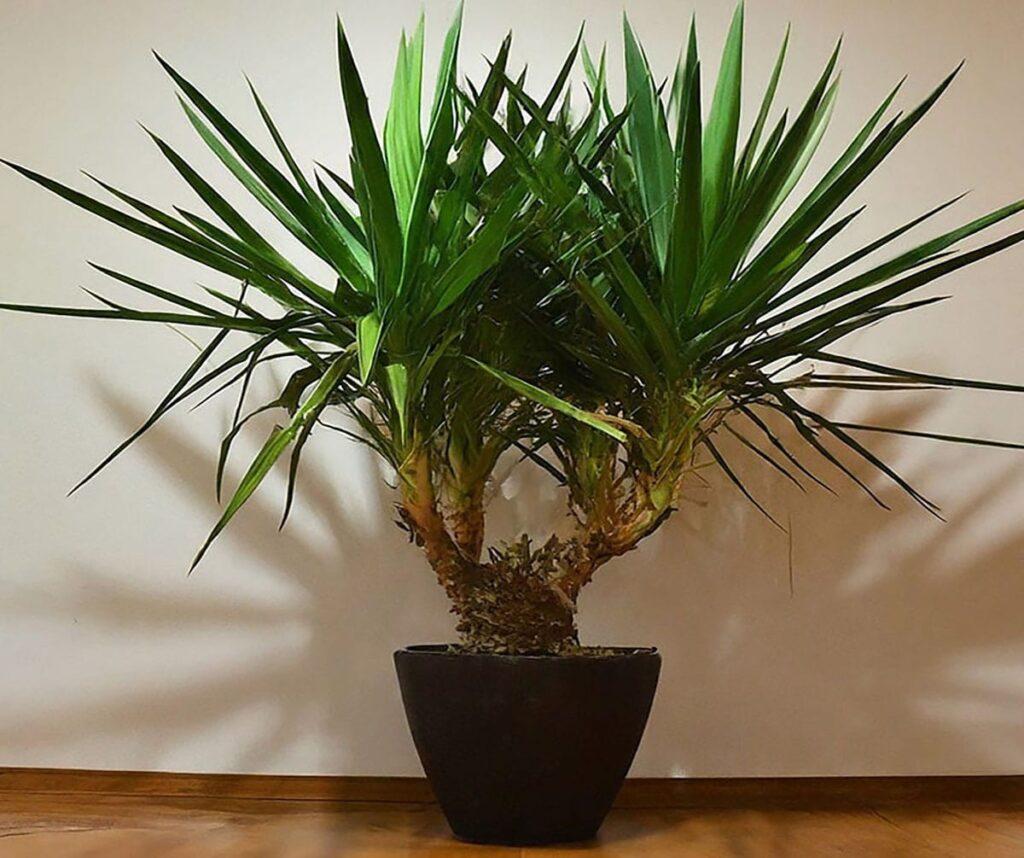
(607, 653)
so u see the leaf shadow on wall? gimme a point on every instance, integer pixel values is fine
(899, 649)
(876, 663)
(330, 685)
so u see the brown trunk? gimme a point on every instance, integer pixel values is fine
(522, 601)
(515, 617)
(467, 523)
(426, 524)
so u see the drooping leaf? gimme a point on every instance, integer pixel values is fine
(279, 440)
(549, 400)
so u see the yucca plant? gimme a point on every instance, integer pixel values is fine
(696, 316)
(605, 297)
(419, 243)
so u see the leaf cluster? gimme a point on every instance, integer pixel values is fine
(603, 291)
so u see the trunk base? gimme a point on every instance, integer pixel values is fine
(524, 622)
(517, 604)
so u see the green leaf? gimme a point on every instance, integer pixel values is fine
(739, 483)
(686, 70)
(851, 152)
(750, 149)
(935, 436)
(440, 138)
(904, 262)
(763, 456)
(858, 254)
(167, 221)
(380, 218)
(786, 407)
(807, 219)
(226, 443)
(222, 262)
(267, 275)
(355, 238)
(165, 404)
(615, 325)
(403, 136)
(293, 463)
(398, 385)
(128, 315)
(820, 125)
(156, 291)
(220, 206)
(368, 333)
(642, 309)
(276, 444)
(550, 401)
(649, 144)
(328, 242)
(249, 180)
(282, 147)
(729, 246)
(927, 378)
(836, 432)
(449, 57)
(595, 76)
(349, 255)
(745, 319)
(773, 439)
(722, 126)
(483, 252)
(687, 239)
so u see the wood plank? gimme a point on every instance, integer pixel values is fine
(46, 825)
(694, 793)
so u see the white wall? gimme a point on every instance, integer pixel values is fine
(900, 648)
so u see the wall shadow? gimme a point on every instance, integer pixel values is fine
(355, 598)
(897, 651)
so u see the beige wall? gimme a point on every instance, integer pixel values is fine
(899, 650)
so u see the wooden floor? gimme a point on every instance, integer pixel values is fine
(35, 826)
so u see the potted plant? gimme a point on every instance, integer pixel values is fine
(605, 293)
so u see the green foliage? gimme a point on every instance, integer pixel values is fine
(701, 314)
(604, 291)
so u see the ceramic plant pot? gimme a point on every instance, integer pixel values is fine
(526, 750)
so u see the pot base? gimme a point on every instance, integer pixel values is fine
(526, 750)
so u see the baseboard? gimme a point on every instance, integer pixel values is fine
(323, 788)
(696, 793)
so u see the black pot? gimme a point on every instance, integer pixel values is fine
(526, 750)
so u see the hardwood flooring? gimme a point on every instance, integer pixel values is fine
(107, 826)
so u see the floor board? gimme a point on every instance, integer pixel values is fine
(41, 826)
